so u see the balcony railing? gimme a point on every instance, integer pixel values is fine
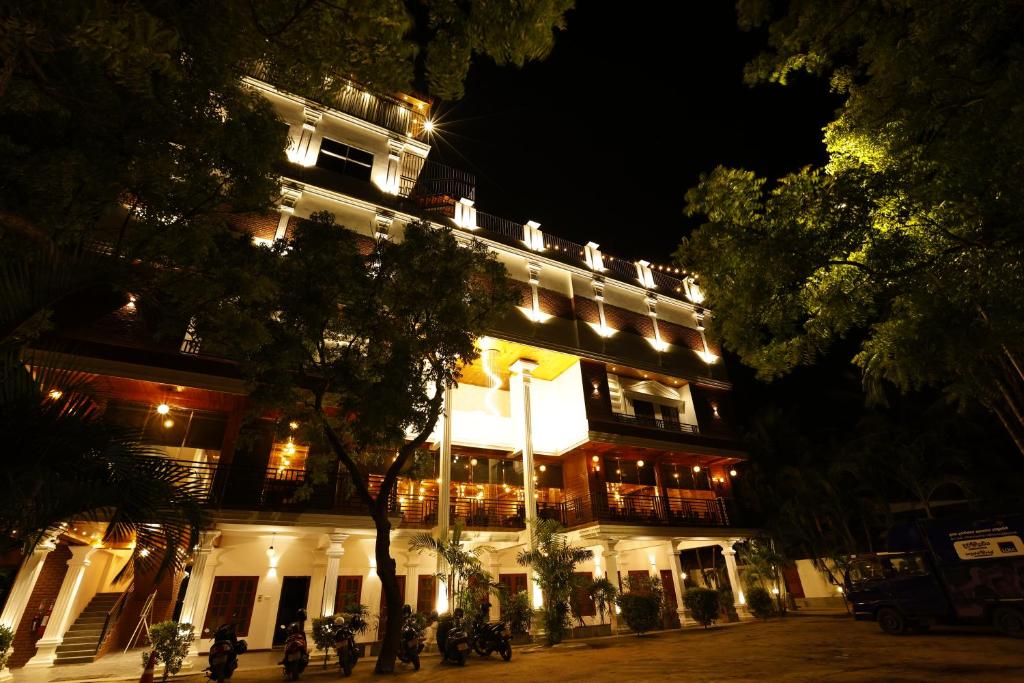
(653, 423)
(250, 488)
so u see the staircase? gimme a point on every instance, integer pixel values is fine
(83, 638)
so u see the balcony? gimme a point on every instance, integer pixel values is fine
(653, 423)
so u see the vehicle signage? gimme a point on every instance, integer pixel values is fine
(985, 548)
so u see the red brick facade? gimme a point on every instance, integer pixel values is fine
(628, 321)
(677, 335)
(43, 596)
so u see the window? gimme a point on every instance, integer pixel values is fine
(644, 410)
(425, 593)
(582, 604)
(515, 583)
(670, 415)
(231, 601)
(908, 565)
(341, 158)
(350, 592)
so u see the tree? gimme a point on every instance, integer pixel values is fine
(358, 350)
(910, 238)
(66, 462)
(463, 574)
(703, 605)
(171, 642)
(141, 106)
(553, 560)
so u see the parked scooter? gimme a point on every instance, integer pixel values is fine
(296, 653)
(345, 642)
(412, 639)
(488, 638)
(456, 643)
(224, 653)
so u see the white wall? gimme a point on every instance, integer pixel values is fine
(559, 413)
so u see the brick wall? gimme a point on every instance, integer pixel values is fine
(629, 321)
(554, 303)
(677, 335)
(44, 593)
(586, 310)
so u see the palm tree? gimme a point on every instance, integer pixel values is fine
(553, 560)
(66, 464)
(464, 577)
(64, 461)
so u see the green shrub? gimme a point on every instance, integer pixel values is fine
(516, 611)
(727, 604)
(6, 639)
(703, 604)
(641, 610)
(171, 641)
(760, 602)
(323, 635)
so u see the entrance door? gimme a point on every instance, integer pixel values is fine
(294, 594)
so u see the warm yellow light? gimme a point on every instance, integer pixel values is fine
(163, 409)
(473, 462)
(293, 425)
(421, 498)
(675, 474)
(144, 552)
(55, 394)
(168, 423)
(775, 590)
(639, 463)
(438, 480)
(696, 468)
(543, 468)
(428, 126)
(480, 496)
(595, 458)
(733, 473)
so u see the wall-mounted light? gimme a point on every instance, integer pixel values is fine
(733, 473)
(168, 423)
(639, 463)
(270, 548)
(543, 468)
(696, 469)
(163, 409)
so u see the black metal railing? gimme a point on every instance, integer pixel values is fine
(440, 180)
(653, 423)
(347, 96)
(113, 614)
(641, 509)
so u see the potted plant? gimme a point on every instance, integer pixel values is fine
(6, 640)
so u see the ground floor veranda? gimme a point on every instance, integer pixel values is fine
(259, 568)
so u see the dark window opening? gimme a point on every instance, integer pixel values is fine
(341, 158)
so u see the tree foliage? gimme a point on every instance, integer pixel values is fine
(910, 237)
(703, 605)
(171, 642)
(553, 560)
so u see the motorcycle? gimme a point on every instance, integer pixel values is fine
(456, 642)
(412, 639)
(224, 653)
(345, 642)
(488, 638)
(296, 654)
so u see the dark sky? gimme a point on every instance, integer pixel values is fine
(601, 141)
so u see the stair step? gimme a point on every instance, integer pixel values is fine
(75, 660)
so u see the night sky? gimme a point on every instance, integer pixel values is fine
(601, 140)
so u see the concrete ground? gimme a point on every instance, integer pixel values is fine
(805, 647)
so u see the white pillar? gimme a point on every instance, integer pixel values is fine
(190, 603)
(523, 374)
(734, 575)
(316, 592)
(495, 613)
(676, 566)
(21, 592)
(611, 572)
(334, 553)
(61, 616)
(412, 581)
(392, 180)
(444, 500)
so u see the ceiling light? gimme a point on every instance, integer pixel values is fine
(163, 409)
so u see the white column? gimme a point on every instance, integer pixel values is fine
(495, 613)
(392, 180)
(611, 572)
(676, 566)
(734, 575)
(61, 617)
(412, 581)
(444, 500)
(316, 591)
(190, 604)
(21, 592)
(523, 374)
(334, 553)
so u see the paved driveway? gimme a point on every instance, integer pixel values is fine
(820, 648)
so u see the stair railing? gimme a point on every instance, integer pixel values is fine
(113, 614)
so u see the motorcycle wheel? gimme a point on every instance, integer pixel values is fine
(346, 668)
(505, 650)
(481, 648)
(415, 659)
(294, 675)
(460, 659)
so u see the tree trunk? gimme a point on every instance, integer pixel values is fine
(392, 597)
